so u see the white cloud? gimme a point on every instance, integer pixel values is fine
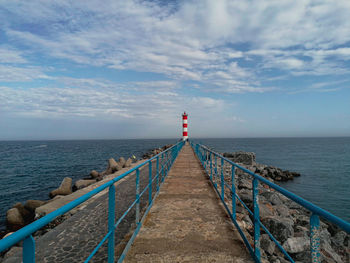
(193, 40)
(11, 56)
(98, 100)
(21, 74)
(326, 86)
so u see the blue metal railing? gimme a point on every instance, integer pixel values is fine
(164, 161)
(209, 160)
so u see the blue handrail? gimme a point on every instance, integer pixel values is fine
(164, 161)
(206, 155)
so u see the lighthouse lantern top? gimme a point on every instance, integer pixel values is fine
(184, 114)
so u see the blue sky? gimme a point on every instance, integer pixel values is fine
(128, 69)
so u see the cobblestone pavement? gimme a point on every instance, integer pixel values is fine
(75, 238)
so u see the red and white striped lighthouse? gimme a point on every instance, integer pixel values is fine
(184, 126)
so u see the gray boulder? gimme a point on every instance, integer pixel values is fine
(246, 196)
(267, 244)
(247, 158)
(282, 210)
(243, 182)
(301, 231)
(266, 210)
(280, 227)
(64, 189)
(167, 146)
(339, 238)
(272, 197)
(327, 252)
(302, 220)
(296, 244)
(247, 219)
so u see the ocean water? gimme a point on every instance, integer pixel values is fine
(324, 164)
(31, 169)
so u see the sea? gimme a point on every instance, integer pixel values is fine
(31, 169)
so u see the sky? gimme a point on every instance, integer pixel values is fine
(128, 69)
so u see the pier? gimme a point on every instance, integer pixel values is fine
(181, 205)
(187, 222)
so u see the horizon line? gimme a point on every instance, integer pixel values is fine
(169, 138)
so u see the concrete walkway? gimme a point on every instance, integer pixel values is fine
(187, 222)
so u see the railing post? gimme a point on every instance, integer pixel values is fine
(157, 173)
(137, 196)
(315, 238)
(211, 167)
(215, 171)
(166, 164)
(207, 159)
(29, 250)
(203, 157)
(256, 219)
(222, 180)
(162, 167)
(149, 182)
(111, 219)
(233, 192)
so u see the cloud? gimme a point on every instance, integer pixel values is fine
(11, 56)
(326, 86)
(21, 74)
(205, 41)
(98, 99)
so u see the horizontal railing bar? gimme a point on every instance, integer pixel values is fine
(131, 240)
(37, 224)
(246, 242)
(245, 206)
(98, 246)
(239, 199)
(313, 208)
(144, 190)
(124, 215)
(134, 203)
(276, 242)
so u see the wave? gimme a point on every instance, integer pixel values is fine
(41, 146)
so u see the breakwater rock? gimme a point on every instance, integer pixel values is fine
(153, 152)
(287, 221)
(247, 159)
(20, 215)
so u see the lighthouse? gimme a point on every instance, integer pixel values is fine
(184, 126)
